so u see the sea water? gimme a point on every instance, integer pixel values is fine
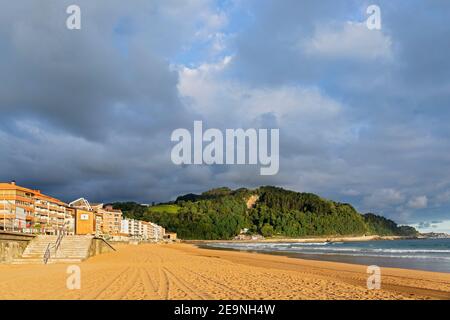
(421, 254)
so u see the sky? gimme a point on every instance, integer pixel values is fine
(363, 114)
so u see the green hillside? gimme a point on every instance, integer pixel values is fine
(221, 214)
(168, 208)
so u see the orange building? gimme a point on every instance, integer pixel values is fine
(84, 222)
(112, 219)
(107, 221)
(27, 210)
(85, 217)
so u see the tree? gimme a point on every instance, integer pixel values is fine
(267, 230)
(221, 213)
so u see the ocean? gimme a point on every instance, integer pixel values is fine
(420, 254)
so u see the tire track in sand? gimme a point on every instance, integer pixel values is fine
(190, 290)
(163, 290)
(220, 285)
(164, 284)
(129, 284)
(151, 290)
(169, 282)
(108, 285)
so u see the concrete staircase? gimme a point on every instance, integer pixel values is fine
(72, 249)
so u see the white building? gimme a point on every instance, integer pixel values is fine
(143, 230)
(134, 228)
(157, 232)
(125, 226)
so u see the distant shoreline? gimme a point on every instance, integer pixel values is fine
(393, 253)
(309, 239)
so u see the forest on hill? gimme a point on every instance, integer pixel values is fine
(222, 213)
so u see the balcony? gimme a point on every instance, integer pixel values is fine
(7, 216)
(25, 207)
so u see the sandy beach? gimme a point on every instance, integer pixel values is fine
(183, 271)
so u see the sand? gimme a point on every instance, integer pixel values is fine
(183, 271)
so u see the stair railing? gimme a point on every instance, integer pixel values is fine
(55, 246)
(47, 254)
(58, 241)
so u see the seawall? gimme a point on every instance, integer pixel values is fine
(12, 245)
(99, 246)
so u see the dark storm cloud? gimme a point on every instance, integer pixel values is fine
(88, 112)
(392, 88)
(79, 81)
(363, 115)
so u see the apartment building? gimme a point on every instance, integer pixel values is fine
(107, 220)
(142, 230)
(135, 228)
(51, 214)
(97, 208)
(112, 220)
(98, 223)
(27, 210)
(70, 221)
(125, 227)
(16, 207)
(130, 227)
(150, 231)
(85, 217)
(156, 232)
(30, 211)
(145, 230)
